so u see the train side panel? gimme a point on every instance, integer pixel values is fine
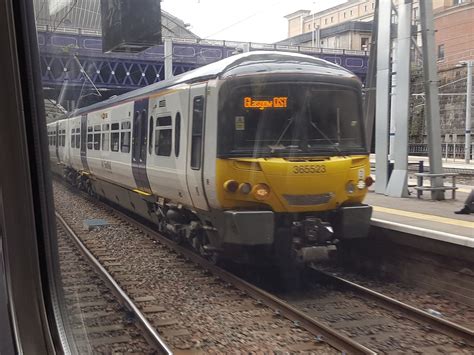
(111, 160)
(166, 160)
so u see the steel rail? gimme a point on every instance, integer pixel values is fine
(320, 330)
(442, 325)
(150, 332)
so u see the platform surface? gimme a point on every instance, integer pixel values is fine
(425, 217)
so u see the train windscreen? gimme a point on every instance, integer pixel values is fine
(290, 119)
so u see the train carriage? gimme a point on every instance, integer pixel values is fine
(260, 156)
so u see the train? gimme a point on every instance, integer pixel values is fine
(259, 157)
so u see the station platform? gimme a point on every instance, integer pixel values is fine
(425, 217)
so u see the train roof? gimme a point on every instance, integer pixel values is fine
(240, 64)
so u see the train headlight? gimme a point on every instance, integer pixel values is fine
(245, 188)
(231, 185)
(261, 192)
(350, 187)
(361, 184)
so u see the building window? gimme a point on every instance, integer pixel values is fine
(351, 12)
(373, 6)
(325, 21)
(364, 43)
(441, 52)
(332, 19)
(365, 8)
(344, 15)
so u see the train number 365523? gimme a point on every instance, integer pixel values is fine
(309, 169)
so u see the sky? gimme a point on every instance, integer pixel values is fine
(241, 20)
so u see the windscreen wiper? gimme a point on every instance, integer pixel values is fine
(277, 143)
(334, 145)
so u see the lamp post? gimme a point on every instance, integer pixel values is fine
(467, 142)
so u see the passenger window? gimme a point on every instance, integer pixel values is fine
(163, 136)
(196, 139)
(78, 137)
(105, 137)
(115, 138)
(73, 138)
(150, 136)
(177, 133)
(97, 137)
(125, 137)
(90, 138)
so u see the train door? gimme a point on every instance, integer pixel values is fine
(85, 166)
(139, 145)
(195, 157)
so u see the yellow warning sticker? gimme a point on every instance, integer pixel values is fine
(239, 123)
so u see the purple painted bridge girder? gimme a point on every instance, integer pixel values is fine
(126, 71)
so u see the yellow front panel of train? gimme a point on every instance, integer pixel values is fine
(291, 185)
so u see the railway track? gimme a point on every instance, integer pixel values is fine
(194, 305)
(95, 304)
(356, 320)
(379, 322)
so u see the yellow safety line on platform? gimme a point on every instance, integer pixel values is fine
(426, 217)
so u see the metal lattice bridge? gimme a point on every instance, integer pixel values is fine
(75, 61)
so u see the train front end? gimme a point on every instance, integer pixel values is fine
(292, 164)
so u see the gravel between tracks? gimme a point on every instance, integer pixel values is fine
(192, 310)
(98, 322)
(419, 298)
(371, 325)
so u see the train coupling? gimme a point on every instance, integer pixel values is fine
(313, 231)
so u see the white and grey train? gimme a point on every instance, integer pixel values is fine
(260, 154)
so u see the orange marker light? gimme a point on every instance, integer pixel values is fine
(261, 192)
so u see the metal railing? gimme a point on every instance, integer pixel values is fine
(449, 150)
(221, 43)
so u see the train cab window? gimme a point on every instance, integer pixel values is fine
(196, 140)
(150, 136)
(96, 137)
(125, 137)
(115, 137)
(105, 137)
(163, 136)
(177, 133)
